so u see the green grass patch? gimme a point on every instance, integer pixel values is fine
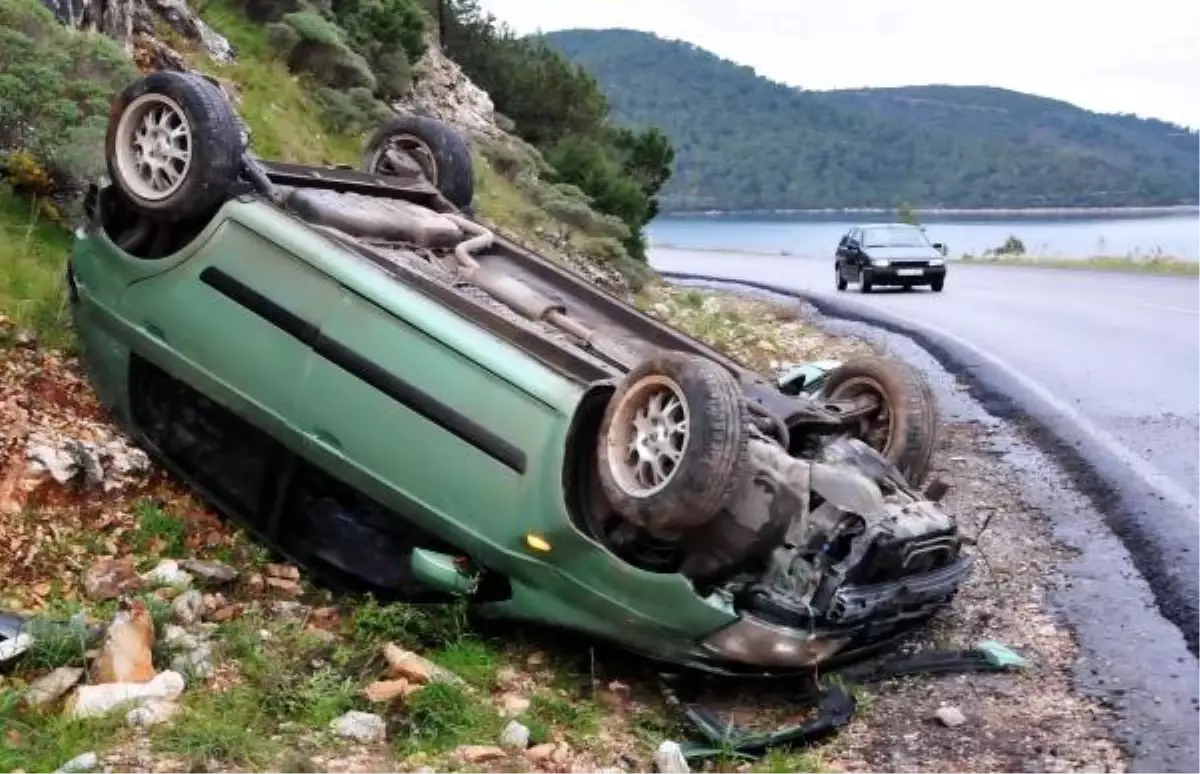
(1152, 265)
(577, 717)
(229, 727)
(34, 741)
(33, 254)
(779, 761)
(409, 625)
(159, 531)
(442, 716)
(471, 659)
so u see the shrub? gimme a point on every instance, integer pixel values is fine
(322, 52)
(55, 84)
(282, 38)
(389, 34)
(1011, 246)
(353, 111)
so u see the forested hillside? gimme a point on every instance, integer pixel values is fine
(744, 142)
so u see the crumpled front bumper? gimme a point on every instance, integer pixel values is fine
(854, 610)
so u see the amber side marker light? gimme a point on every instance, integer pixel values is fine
(537, 542)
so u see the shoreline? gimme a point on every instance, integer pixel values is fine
(1031, 212)
(1165, 265)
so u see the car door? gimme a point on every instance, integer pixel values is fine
(233, 316)
(395, 402)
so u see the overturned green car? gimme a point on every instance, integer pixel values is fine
(404, 401)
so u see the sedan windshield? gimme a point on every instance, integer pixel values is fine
(894, 236)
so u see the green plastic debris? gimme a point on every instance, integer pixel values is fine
(1001, 656)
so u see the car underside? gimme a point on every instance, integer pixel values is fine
(796, 514)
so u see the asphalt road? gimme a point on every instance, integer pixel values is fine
(1104, 369)
(1107, 363)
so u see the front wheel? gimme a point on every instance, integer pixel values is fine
(937, 284)
(839, 278)
(864, 281)
(902, 423)
(673, 443)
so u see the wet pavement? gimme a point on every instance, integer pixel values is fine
(1099, 376)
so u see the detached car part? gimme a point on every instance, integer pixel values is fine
(407, 401)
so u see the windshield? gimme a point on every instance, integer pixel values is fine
(894, 236)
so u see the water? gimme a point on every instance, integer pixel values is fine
(816, 234)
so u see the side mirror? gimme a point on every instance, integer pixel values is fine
(941, 248)
(852, 245)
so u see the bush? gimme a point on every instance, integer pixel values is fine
(353, 111)
(389, 34)
(55, 85)
(1011, 246)
(282, 38)
(322, 52)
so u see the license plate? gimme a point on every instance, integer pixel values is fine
(910, 272)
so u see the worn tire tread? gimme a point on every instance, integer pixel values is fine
(912, 401)
(714, 458)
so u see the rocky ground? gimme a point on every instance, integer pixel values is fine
(225, 660)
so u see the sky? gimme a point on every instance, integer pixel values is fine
(1111, 56)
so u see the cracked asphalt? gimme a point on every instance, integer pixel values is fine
(1102, 370)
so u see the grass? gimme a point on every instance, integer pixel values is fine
(442, 716)
(229, 727)
(1153, 265)
(284, 120)
(36, 741)
(159, 532)
(33, 254)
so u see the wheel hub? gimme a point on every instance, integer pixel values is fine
(154, 146)
(651, 437)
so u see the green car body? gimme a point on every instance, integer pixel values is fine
(405, 402)
(486, 500)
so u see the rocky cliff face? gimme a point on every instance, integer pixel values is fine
(135, 23)
(442, 90)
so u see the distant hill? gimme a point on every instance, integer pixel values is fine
(745, 142)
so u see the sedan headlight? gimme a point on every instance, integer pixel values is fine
(881, 262)
(937, 262)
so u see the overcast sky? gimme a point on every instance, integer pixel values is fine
(1127, 56)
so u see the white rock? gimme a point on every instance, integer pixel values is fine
(85, 762)
(10, 649)
(151, 713)
(95, 700)
(188, 607)
(167, 573)
(211, 572)
(363, 727)
(951, 717)
(49, 687)
(668, 759)
(515, 736)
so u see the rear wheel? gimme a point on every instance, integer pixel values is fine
(902, 425)
(408, 144)
(864, 281)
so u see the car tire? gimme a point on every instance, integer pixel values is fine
(839, 278)
(910, 434)
(174, 145)
(441, 153)
(640, 435)
(864, 282)
(937, 284)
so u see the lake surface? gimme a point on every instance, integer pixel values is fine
(817, 234)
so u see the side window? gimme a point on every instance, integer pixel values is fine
(224, 454)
